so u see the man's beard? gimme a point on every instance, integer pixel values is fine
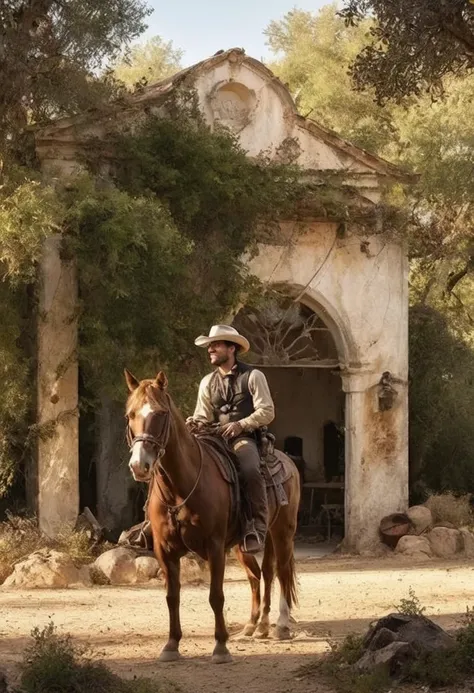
(217, 360)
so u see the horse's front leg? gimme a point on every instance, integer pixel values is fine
(221, 654)
(171, 568)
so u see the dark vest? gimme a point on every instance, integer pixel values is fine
(230, 395)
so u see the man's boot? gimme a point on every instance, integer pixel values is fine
(256, 531)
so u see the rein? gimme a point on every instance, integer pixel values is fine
(160, 443)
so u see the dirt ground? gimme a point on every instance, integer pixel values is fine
(337, 596)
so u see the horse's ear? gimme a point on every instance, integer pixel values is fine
(132, 382)
(161, 380)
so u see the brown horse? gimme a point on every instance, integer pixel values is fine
(190, 510)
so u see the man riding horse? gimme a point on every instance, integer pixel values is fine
(237, 397)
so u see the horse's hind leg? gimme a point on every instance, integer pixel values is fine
(285, 565)
(254, 573)
(216, 557)
(268, 572)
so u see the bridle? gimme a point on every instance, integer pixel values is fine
(160, 443)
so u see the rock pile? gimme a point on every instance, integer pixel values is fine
(414, 534)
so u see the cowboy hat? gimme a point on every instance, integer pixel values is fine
(223, 333)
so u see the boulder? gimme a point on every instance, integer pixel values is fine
(467, 538)
(445, 523)
(147, 568)
(118, 565)
(391, 658)
(398, 639)
(420, 517)
(193, 571)
(417, 547)
(420, 632)
(47, 569)
(445, 542)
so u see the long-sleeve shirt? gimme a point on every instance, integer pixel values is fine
(262, 402)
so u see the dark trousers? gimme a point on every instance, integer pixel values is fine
(249, 460)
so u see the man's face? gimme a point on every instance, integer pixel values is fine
(220, 353)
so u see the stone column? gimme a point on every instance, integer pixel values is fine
(58, 443)
(376, 457)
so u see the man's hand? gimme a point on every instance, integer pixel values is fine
(231, 430)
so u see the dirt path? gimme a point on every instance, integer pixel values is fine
(337, 596)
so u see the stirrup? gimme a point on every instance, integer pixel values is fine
(259, 542)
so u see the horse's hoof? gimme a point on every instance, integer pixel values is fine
(169, 656)
(222, 658)
(249, 630)
(281, 633)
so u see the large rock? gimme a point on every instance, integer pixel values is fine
(47, 569)
(421, 518)
(147, 568)
(445, 542)
(468, 542)
(118, 565)
(193, 571)
(391, 658)
(398, 639)
(416, 547)
(420, 632)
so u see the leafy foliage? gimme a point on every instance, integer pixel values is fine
(51, 53)
(149, 62)
(182, 196)
(313, 53)
(414, 45)
(29, 213)
(411, 605)
(441, 403)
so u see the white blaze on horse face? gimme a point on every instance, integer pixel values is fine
(284, 617)
(141, 459)
(145, 410)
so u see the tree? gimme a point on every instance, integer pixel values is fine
(148, 63)
(414, 44)
(313, 53)
(441, 404)
(51, 52)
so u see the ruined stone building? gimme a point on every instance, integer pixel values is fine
(344, 287)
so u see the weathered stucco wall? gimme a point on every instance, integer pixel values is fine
(359, 285)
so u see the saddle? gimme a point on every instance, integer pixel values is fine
(276, 471)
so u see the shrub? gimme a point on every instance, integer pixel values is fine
(447, 507)
(55, 664)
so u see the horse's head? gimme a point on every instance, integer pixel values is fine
(148, 416)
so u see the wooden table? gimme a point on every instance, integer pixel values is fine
(322, 486)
